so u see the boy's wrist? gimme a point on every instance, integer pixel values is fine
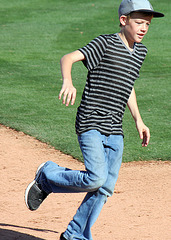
(138, 120)
(67, 80)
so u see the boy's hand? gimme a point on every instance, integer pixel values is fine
(144, 133)
(68, 90)
(69, 94)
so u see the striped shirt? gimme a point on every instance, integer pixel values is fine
(112, 71)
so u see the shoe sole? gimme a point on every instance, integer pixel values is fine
(31, 184)
(27, 192)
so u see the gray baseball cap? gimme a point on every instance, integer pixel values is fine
(128, 6)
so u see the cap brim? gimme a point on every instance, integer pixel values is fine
(155, 14)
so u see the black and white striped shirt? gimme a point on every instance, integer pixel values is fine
(112, 70)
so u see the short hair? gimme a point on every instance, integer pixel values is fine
(144, 13)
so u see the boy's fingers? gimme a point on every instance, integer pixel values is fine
(69, 95)
(68, 99)
(146, 138)
(61, 92)
(144, 141)
(64, 96)
(73, 99)
(141, 135)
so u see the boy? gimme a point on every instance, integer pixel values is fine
(113, 63)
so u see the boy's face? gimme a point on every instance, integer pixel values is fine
(136, 27)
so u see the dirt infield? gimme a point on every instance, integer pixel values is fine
(139, 209)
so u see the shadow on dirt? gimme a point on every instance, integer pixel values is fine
(8, 234)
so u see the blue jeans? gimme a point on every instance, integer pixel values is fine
(102, 158)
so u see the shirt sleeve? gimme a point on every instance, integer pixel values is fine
(94, 52)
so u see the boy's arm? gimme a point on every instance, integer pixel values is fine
(143, 130)
(68, 90)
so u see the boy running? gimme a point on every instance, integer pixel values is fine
(113, 62)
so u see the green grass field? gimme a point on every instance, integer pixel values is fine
(36, 34)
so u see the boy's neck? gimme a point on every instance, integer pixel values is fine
(129, 45)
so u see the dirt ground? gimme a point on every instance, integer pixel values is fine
(138, 210)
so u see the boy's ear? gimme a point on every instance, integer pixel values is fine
(123, 20)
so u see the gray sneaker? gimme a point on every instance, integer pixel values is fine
(34, 195)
